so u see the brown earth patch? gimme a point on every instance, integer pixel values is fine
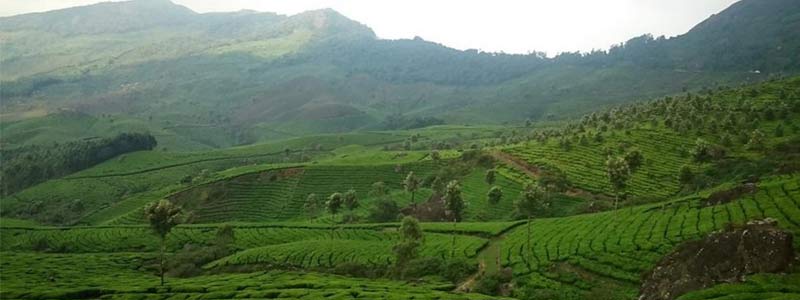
(429, 211)
(722, 197)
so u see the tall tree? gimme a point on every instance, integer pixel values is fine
(435, 156)
(756, 141)
(334, 204)
(312, 205)
(634, 159)
(494, 195)
(532, 202)
(379, 189)
(411, 184)
(163, 216)
(618, 174)
(491, 176)
(350, 200)
(454, 205)
(437, 185)
(407, 247)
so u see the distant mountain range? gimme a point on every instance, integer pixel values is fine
(220, 79)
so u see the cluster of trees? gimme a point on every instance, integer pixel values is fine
(724, 118)
(417, 60)
(26, 166)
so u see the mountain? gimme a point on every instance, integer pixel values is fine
(214, 80)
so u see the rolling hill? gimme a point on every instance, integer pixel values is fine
(200, 81)
(310, 159)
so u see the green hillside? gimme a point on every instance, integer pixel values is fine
(151, 152)
(215, 80)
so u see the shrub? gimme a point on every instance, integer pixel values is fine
(355, 269)
(424, 266)
(457, 269)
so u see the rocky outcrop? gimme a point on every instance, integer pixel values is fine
(727, 256)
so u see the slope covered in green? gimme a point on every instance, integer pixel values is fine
(200, 81)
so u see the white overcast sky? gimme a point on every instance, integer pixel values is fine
(519, 26)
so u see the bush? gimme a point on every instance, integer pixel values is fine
(424, 266)
(384, 210)
(457, 269)
(359, 270)
(493, 284)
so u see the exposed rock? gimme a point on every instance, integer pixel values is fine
(722, 197)
(727, 256)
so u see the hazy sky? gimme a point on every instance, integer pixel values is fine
(498, 25)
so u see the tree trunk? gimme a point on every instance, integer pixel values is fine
(530, 251)
(453, 246)
(161, 261)
(333, 226)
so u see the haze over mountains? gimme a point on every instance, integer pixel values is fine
(220, 79)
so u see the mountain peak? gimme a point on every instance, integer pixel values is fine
(105, 17)
(331, 22)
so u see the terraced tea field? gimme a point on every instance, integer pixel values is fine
(586, 251)
(664, 153)
(126, 276)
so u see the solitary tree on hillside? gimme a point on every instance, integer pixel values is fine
(407, 248)
(491, 176)
(350, 203)
(163, 216)
(312, 205)
(618, 174)
(756, 141)
(454, 205)
(532, 202)
(411, 184)
(435, 156)
(494, 195)
(437, 185)
(333, 204)
(379, 189)
(634, 159)
(685, 175)
(350, 200)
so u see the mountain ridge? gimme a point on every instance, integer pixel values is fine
(244, 72)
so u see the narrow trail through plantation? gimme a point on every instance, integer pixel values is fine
(488, 259)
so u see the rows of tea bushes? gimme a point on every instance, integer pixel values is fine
(133, 276)
(617, 246)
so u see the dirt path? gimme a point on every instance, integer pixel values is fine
(488, 259)
(517, 163)
(466, 286)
